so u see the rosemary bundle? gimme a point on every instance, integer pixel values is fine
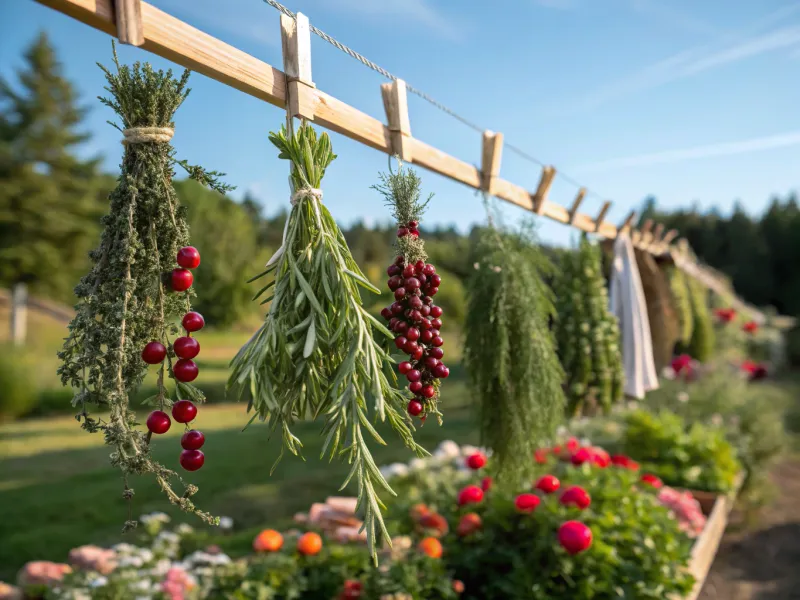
(126, 309)
(587, 334)
(661, 313)
(509, 351)
(683, 304)
(315, 353)
(703, 341)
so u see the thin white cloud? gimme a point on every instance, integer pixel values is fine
(782, 140)
(421, 12)
(670, 15)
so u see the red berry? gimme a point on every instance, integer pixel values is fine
(386, 313)
(427, 300)
(400, 260)
(401, 327)
(413, 375)
(441, 371)
(437, 341)
(436, 311)
(158, 422)
(397, 308)
(418, 353)
(434, 332)
(431, 362)
(426, 336)
(574, 537)
(476, 461)
(414, 408)
(193, 321)
(435, 281)
(432, 291)
(486, 484)
(548, 484)
(425, 310)
(471, 494)
(402, 231)
(412, 334)
(404, 367)
(411, 347)
(428, 391)
(400, 341)
(191, 460)
(425, 325)
(393, 270)
(412, 283)
(188, 257)
(436, 323)
(154, 353)
(413, 225)
(436, 353)
(428, 270)
(581, 456)
(416, 316)
(193, 440)
(415, 387)
(527, 503)
(185, 370)
(399, 293)
(181, 279)
(422, 278)
(408, 271)
(576, 496)
(184, 411)
(186, 347)
(394, 282)
(415, 302)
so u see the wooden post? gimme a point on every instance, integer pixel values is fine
(296, 43)
(603, 211)
(19, 313)
(128, 15)
(545, 181)
(576, 205)
(491, 154)
(395, 103)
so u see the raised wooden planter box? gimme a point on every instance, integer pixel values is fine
(717, 508)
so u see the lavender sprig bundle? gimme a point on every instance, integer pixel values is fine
(315, 354)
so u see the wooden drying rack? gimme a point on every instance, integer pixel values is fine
(141, 24)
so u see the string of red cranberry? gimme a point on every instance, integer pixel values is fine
(184, 370)
(417, 322)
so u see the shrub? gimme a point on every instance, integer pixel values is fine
(17, 383)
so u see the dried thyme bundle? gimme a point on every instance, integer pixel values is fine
(509, 351)
(315, 353)
(126, 301)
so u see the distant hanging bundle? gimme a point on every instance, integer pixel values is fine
(679, 287)
(130, 304)
(587, 334)
(664, 324)
(701, 346)
(315, 353)
(509, 352)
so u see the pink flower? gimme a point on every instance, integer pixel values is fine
(42, 572)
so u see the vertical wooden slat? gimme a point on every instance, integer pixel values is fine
(576, 205)
(545, 181)
(626, 224)
(395, 103)
(491, 155)
(598, 222)
(128, 15)
(19, 314)
(296, 44)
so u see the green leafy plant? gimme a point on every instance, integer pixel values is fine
(509, 351)
(587, 334)
(701, 345)
(693, 456)
(683, 304)
(315, 354)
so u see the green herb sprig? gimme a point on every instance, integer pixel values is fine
(315, 354)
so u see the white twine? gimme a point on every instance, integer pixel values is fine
(306, 192)
(141, 135)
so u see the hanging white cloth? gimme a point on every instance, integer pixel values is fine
(627, 303)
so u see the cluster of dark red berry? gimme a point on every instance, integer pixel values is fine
(416, 321)
(185, 369)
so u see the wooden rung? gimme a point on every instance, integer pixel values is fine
(626, 224)
(602, 215)
(576, 205)
(128, 15)
(491, 154)
(296, 43)
(546, 180)
(395, 102)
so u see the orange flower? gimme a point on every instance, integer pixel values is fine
(458, 586)
(309, 544)
(418, 511)
(431, 546)
(268, 540)
(436, 522)
(470, 523)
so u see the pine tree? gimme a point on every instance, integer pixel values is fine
(50, 200)
(587, 335)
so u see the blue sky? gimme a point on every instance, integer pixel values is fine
(689, 101)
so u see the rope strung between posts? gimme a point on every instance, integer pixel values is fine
(378, 69)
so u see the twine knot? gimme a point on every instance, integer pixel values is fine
(140, 135)
(306, 192)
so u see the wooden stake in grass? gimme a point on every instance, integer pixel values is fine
(315, 355)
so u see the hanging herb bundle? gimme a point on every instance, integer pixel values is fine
(130, 302)
(587, 334)
(683, 304)
(701, 346)
(661, 313)
(509, 351)
(315, 353)
(413, 316)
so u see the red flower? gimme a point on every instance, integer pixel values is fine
(540, 456)
(574, 537)
(759, 373)
(681, 363)
(576, 496)
(600, 457)
(750, 327)
(527, 503)
(351, 589)
(458, 586)
(486, 484)
(435, 522)
(626, 462)
(476, 461)
(471, 494)
(548, 484)
(557, 449)
(573, 445)
(581, 456)
(725, 315)
(652, 480)
(749, 367)
(469, 523)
